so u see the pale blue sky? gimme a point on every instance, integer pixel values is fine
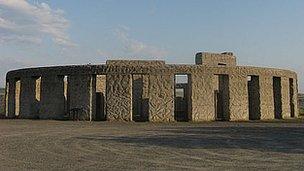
(260, 32)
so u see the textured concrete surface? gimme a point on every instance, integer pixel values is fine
(119, 103)
(202, 97)
(11, 86)
(28, 103)
(161, 103)
(101, 83)
(100, 97)
(82, 90)
(267, 101)
(238, 97)
(215, 59)
(295, 97)
(218, 89)
(52, 97)
(55, 145)
(285, 98)
(138, 63)
(17, 97)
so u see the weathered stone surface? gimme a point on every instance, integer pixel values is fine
(100, 97)
(238, 97)
(295, 98)
(218, 90)
(285, 98)
(202, 97)
(101, 83)
(225, 96)
(82, 89)
(28, 102)
(215, 59)
(17, 97)
(267, 101)
(119, 97)
(161, 101)
(138, 63)
(11, 98)
(52, 97)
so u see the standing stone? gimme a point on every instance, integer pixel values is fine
(161, 102)
(238, 97)
(202, 97)
(266, 95)
(295, 97)
(285, 98)
(82, 93)
(145, 98)
(27, 98)
(119, 97)
(52, 97)
(11, 98)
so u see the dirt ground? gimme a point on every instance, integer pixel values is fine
(66, 145)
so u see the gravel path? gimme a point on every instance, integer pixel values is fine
(66, 145)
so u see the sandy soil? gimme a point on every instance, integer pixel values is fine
(65, 145)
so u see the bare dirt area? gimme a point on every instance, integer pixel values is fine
(66, 145)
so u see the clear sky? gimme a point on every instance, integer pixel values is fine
(266, 33)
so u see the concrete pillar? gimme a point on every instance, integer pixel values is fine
(161, 101)
(266, 97)
(6, 99)
(119, 97)
(145, 97)
(285, 98)
(82, 93)
(238, 97)
(28, 102)
(17, 98)
(295, 97)
(202, 97)
(11, 98)
(52, 97)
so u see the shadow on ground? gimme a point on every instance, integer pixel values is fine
(266, 139)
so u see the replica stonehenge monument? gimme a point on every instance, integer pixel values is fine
(214, 88)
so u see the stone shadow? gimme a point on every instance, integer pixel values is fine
(269, 139)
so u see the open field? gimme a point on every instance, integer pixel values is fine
(61, 145)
